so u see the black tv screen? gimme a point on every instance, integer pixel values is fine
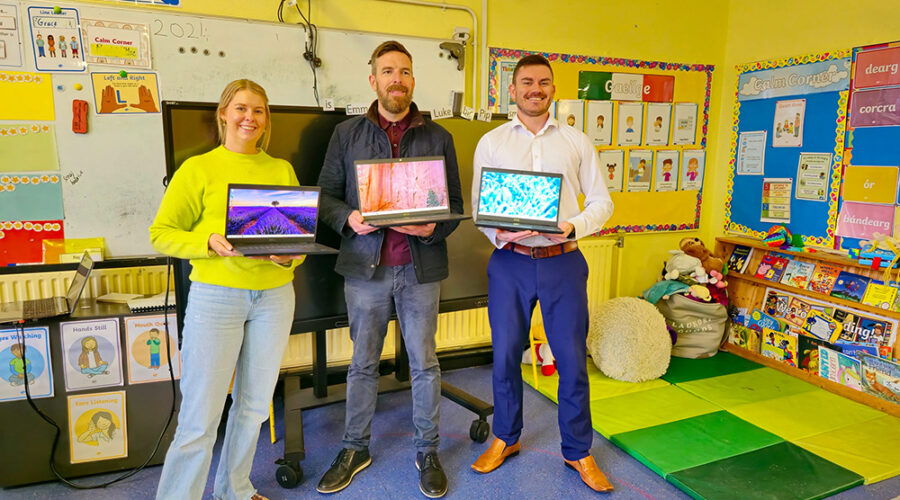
(300, 135)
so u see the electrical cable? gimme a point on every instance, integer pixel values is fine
(312, 41)
(20, 326)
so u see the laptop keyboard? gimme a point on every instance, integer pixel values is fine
(269, 249)
(39, 307)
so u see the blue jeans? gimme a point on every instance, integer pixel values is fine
(226, 330)
(369, 308)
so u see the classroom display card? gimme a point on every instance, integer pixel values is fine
(875, 108)
(133, 93)
(863, 220)
(869, 184)
(146, 346)
(840, 368)
(877, 68)
(570, 112)
(684, 121)
(628, 132)
(612, 163)
(27, 147)
(10, 47)
(666, 171)
(788, 125)
(97, 427)
(92, 354)
(599, 122)
(116, 43)
(693, 162)
(751, 153)
(776, 200)
(26, 96)
(29, 364)
(639, 162)
(31, 196)
(658, 121)
(55, 39)
(812, 176)
(880, 377)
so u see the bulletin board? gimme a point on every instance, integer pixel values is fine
(635, 212)
(763, 89)
(108, 182)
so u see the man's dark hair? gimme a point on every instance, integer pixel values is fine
(384, 48)
(532, 60)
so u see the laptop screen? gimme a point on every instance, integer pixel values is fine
(519, 195)
(257, 212)
(79, 281)
(402, 185)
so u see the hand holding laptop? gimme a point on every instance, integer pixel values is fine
(514, 236)
(421, 230)
(356, 223)
(217, 243)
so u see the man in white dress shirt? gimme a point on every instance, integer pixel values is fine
(528, 266)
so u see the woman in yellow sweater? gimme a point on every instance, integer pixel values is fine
(239, 309)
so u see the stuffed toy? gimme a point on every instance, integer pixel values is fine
(716, 278)
(700, 293)
(544, 358)
(663, 289)
(682, 265)
(695, 247)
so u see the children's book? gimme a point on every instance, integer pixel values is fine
(781, 346)
(822, 326)
(742, 336)
(740, 258)
(849, 286)
(880, 377)
(776, 303)
(854, 348)
(797, 311)
(808, 352)
(759, 320)
(797, 274)
(879, 295)
(840, 368)
(823, 278)
(771, 267)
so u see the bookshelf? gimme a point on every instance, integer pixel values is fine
(747, 291)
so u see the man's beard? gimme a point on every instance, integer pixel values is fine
(392, 104)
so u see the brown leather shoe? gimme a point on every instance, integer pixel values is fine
(494, 456)
(590, 473)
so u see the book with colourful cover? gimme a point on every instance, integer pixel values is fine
(797, 311)
(849, 286)
(780, 346)
(854, 348)
(880, 377)
(776, 303)
(740, 258)
(823, 278)
(771, 267)
(822, 326)
(757, 320)
(742, 336)
(879, 295)
(840, 368)
(797, 274)
(808, 352)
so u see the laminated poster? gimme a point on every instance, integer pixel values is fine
(612, 164)
(599, 122)
(56, 40)
(776, 200)
(666, 171)
(639, 169)
(658, 120)
(146, 346)
(570, 112)
(92, 354)
(693, 162)
(684, 123)
(628, 131)
(10, 36)
(97, 427)
(134, 93)
(116, 43)
(788, 124)
(751, 153)
(813, 175)
(29, 364)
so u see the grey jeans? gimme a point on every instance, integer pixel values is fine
(369, 305)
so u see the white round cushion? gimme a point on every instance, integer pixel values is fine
(628, 340)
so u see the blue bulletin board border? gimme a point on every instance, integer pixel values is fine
(840, 129)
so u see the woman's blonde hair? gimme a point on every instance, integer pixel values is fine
(228, 94)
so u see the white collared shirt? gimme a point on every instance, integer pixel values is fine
(562, 150)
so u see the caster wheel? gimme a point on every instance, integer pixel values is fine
(288, 476)
(479, 431)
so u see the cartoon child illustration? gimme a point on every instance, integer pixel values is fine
(51, 45)
(692, 170)
(796, 124)
(667, 170)
(600, 120)
(101, 429)
(39, 43)
(639, 171)
(570, 120)
(877, 336)
(777, 130)
(154, 348)
(787, 355)
(629, 124)
(18, 365)
(62, 46)
(74, 46)
(611, 168)
(657, 124)
(787, 127)
(90, 361)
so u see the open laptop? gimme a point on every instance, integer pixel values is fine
(517, 200)
(403, 191)
(273, 220)
(53, 306)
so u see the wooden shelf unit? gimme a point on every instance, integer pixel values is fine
(747, 291)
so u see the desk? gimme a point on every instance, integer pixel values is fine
(27, 440)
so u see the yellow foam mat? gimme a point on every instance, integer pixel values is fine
(601, 386)
(746, 387)
(642, 409)
(870, 449)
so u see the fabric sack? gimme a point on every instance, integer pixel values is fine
(700, 325)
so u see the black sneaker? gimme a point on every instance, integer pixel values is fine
(432, 481)
(344, 467)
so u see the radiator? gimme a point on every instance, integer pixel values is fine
(145, 280)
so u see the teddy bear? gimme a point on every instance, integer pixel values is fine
(695, 248)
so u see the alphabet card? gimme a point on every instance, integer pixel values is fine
(599, 123)
(788, 125)
(639, 167)
(146, 344)
(91, 354)
(571, 112)
(27, 363)
(97, 427)
(55, 39)
(666, 171)
(658, 121)
(692, 165)
(612, 164)
(630, 119)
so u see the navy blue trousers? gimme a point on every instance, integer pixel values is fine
(516, 283)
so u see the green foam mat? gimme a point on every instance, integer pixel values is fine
(694, 441)
(601, 386)
(649, 408)
(750, 386)
(805, 414)
(870, 449)
(684, 369)
(782, 470)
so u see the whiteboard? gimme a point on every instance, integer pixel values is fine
(113, 174)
